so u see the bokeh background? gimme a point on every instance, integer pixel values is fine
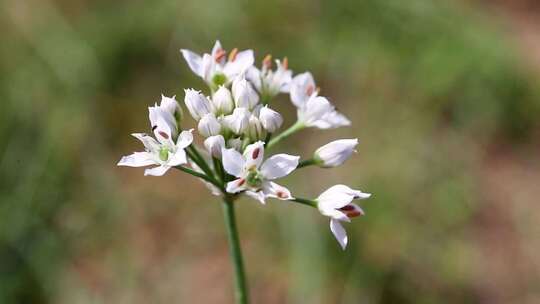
(444, 97)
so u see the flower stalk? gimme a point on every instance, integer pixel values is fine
(290, 131)
(235, 251)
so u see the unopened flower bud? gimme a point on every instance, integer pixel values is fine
(335, 153)
(238, 121)
(214, 144)
(223, 101)
(244, 94)
(197, 104)
(270, 119)
(209, 125)
(171, 105)
(255, 130)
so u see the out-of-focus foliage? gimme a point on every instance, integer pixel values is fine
(429, 85)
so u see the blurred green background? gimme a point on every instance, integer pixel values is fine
(444, 97)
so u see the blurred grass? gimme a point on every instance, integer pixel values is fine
(428, 86)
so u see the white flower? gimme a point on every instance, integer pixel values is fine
(318, 112)
(270, 119)
(215, 68)
(336, 204)
(268, 82)
(197, 104)
(214, 145)
(165, 153)
(244, 94)
(253, 176)
(238, 121)
(313, 110)
(209, 125)
(169, 111)
(335, 153)
(223, 101)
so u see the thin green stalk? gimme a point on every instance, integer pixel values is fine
(240, 283)
(293, 129)
(307, 162)
(305, 201)
(197, 174)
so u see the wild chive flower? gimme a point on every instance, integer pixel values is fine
(336, 204)
(335, 153)
(217, 68)
(237, 126)
(255, 176)
(270, 83)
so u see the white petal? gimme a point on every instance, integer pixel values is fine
(194, 61)
(148, 141)
(236, 185)
(279, 165)
(242, 62)
(339, 232)
(177, 158)
(184, 139)
(302, 87)
(156, 171)
(217, 48)
(254, 154)
(233, 162)
(314, 110)
(274, 190)
(137, 159)
(336, 152)
(339, 196)
(259, 195)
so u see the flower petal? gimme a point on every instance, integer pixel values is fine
(279, 165)
(236, 185)
(177, 158)
(274, 190)
(233, 162)
(194, 61)
(242, 62)
(184, 139)
(137, 159)
(156, 171)
(258, 195)
(148, 141)
(339, 233)
(302, 87)
(253, 154)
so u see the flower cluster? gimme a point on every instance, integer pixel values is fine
(239, 127)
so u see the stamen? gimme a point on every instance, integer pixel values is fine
(255, 153)
(220, 54)
(285, 63)
(232, 55)
(163, 134)
(267, 61)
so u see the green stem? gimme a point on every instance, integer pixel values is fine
(291, 130)
(305, 201)
(307, 162)
(240, 284)
(197, 174)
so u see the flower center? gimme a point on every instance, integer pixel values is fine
(163, 153)
(219, 79)
(253, 179)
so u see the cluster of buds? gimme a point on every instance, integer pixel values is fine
(239, 127)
